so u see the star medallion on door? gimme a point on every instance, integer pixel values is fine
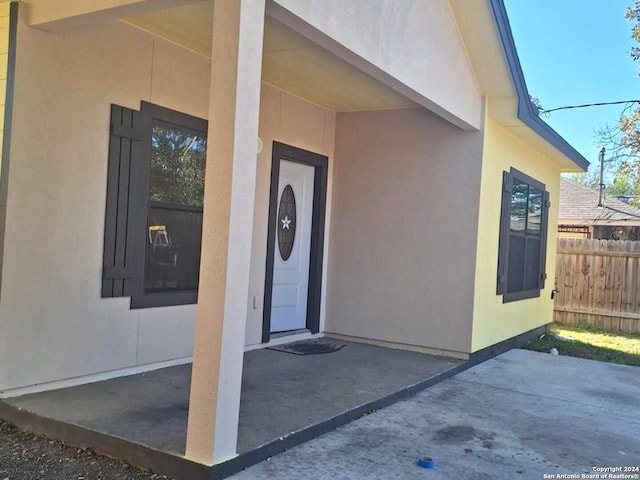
(286, 222)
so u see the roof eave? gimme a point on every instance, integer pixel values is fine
(527, 112)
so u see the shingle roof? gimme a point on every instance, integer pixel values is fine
(581, 203)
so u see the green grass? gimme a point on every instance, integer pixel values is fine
(591, 343)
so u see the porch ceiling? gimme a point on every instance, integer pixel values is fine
(290, 61)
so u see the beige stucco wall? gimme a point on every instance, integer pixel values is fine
(494, 321)
(403, 229)
(53, 323)
(50, 300)
(291, 120)
(392, 37)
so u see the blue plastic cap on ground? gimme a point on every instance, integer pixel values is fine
(426, 462)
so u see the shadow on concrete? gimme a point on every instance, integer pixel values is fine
(286, 400)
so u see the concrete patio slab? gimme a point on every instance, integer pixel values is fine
(520, 415)
(281, 393)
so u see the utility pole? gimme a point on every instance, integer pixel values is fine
(601, 177)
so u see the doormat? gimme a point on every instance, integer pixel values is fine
(307, 348)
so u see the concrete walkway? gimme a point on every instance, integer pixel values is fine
(520, 415)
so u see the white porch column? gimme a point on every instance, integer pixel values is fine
(227, 230)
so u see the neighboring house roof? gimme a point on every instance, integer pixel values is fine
(527, 111)
(579, 202)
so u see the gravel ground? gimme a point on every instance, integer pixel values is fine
(24, 456)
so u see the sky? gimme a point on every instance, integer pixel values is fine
(575, 52)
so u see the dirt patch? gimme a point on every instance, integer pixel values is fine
(27, 456)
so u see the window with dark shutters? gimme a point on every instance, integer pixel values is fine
(523, 237)
(154, 207)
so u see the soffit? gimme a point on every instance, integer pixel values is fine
(486, 54)
(189, 25)
(290, 61)
(478, 28)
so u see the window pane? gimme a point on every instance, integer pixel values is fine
(173, 250)
(177, 165)
(519, 196)
(532, 277)
(534, 211)
(515, 268)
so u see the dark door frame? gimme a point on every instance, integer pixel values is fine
(320, 164)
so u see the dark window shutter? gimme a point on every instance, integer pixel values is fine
(124, 146)
(505, 213)
(543, 236)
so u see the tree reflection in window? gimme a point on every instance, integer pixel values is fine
(176, 194)
(534, 211)
(526, 208)
(519, 198)
(177, 165)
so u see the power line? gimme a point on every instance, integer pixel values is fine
(585, 105)
(621, 211)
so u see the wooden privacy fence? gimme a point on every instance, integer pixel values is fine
(598, 282)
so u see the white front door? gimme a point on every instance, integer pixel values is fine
(292, 247)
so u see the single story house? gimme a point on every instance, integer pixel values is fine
(581, 216)
(375, 171)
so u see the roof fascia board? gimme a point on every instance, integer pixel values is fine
(527, 112)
